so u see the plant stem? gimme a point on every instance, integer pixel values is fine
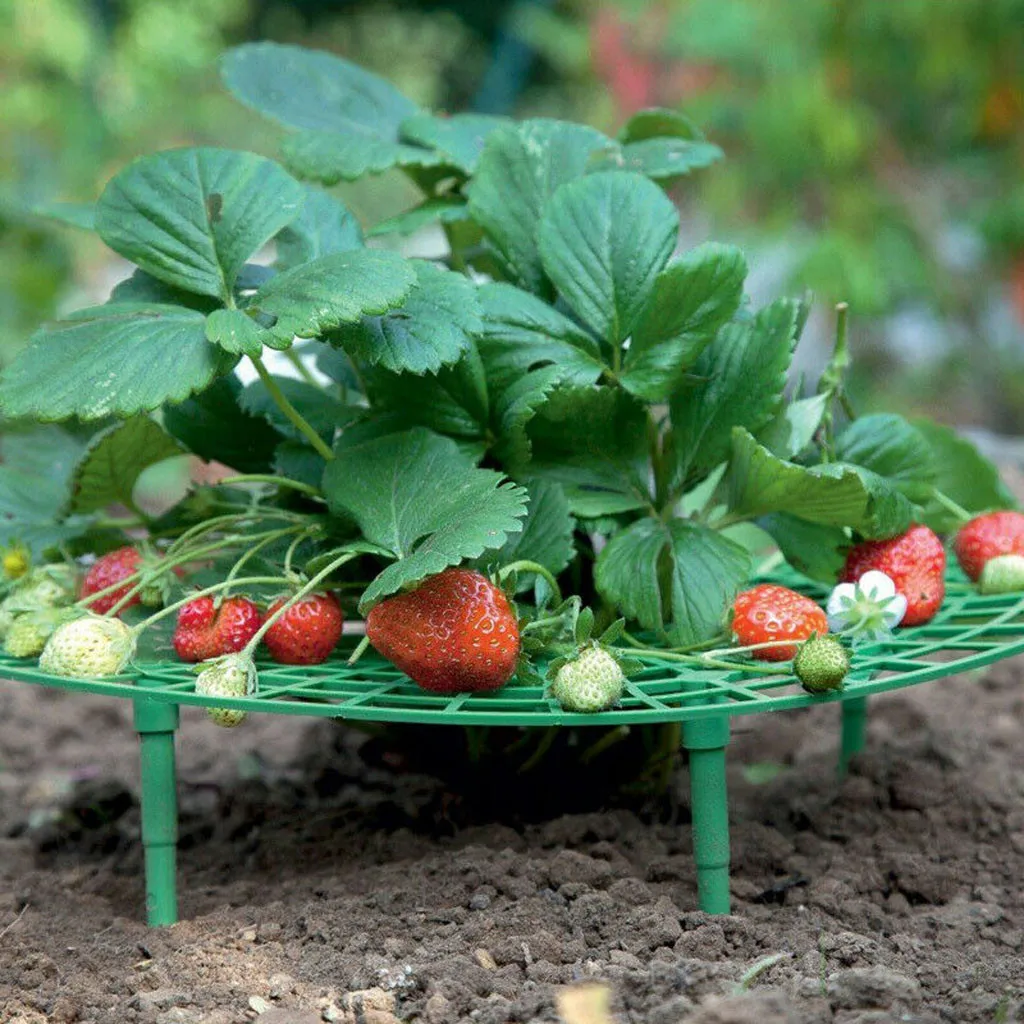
(359, 651)
(295, 359)
(703, 661)
(254, 551)
(951, 506)
(675, 650)
(298, 596)
(247, 581)
(270, 478)
(525, 565)
(294, 416)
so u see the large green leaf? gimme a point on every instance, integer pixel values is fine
(322, 411)
(603, 241)
(793, 428)
(415, 495)
(890, 447)
(446, 209)
(522, 332)
(336, 289)
(453, 402)
(661, 158)
(113, 360)
(32, 506)
(741, 374)
(691, 299)
(324, 225)
(963, 474)
(432, 328)
(815, 550)
(141, 287)
(214, 426)
(330, 157)
(547, 535)
(836, 494)
(192, 217)
(679, 576)
(459, 138)
(515, 406)
(28, 446)
(594, 442)
(114, 461)
(519, 170)
(350, 117)
(235, 332)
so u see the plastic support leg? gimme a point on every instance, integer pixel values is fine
(706, 741)
(156, 722)
(854, 726)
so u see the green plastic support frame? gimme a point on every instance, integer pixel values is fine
(971, 631)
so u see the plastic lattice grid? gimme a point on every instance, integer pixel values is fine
(970, 631)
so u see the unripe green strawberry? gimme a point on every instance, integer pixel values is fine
(821, 664)
(88, 647)
(28, 634)
(589, 683)
(49, 586)
(1003, 574)
(230, 676)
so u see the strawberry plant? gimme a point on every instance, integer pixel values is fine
(564, 401)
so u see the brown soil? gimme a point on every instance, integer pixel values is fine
(308, 875)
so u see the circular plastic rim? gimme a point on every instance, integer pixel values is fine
(971, 631)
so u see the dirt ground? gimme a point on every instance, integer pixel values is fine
(318, 887)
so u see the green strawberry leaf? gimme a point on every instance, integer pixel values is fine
(890, 447)
(663, 159)
(963, 474)
(793, 428)
(113, 360)
(594, 442)
(453, 402)
(459, 138)
(235, 332)
(835, 494)
(657, 123)
(522, 332)
(32, 511)
(520, 169)
(329, 157)
(192, 217)
(112, 464)
(324, 225)
(603, 241)
(691, 299)
(415, 495)
(214, 426)
(27, 446)
(141, 287)
(432, 328)
(340, 288)
(678, 577)
(742, 374)
(446, 209)
(297, 461)
(816, 551)
(515, 407)
(546, 538)
(322, 411)
(349, 117)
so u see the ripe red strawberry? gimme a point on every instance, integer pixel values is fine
(206, 631)
(307, 632)
(915, 561)
(986, 537)
(105, 572)
(769, 612)
(454, 633)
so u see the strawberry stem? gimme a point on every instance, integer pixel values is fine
(951, 506)
(279, 481)
(703, 661)
(216, 588)
(359, 651)
(525, 565)
(294, 416)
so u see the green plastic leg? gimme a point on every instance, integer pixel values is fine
(854, 726)
(156, 723)
(706, 741)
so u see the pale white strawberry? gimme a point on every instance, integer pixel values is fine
(230, 676)
(591, 682)
(88, 647)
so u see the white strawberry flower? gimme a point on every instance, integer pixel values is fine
(868, 610)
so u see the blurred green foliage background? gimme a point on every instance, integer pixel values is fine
(874, 148)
